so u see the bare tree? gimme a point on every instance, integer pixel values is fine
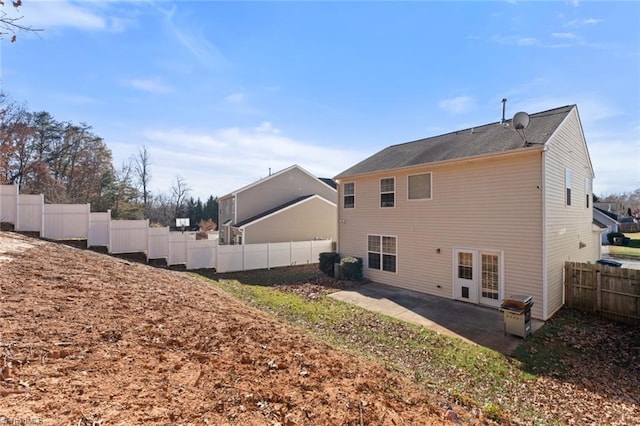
(12, 25)
(179, 192)
(124, 194)
(143, 176)
(160, 210)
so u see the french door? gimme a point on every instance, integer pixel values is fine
(478, 276)
(490, 278)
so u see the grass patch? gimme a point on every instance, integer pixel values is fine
(632, 251)
(468, 374)
(569, 347)
(546, 352)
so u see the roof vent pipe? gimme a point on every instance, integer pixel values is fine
(504, 103)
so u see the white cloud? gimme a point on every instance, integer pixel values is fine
(595, 110)
(457, 105)
(193, 40)
(587, 21)
(49, 15)
(616, 162)
(147, 85)
(236, 98)
(516, 40)
(266, 127)
(570, 36)
(220, 161)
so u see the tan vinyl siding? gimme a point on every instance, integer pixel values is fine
(314, 218)
(566, 226)
(279, 189)
(493, 203)
(226, 209)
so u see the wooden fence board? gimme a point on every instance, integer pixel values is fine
(610, 292)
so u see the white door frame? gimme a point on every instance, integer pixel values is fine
(465, 289)
(470, 290)
(485, 300)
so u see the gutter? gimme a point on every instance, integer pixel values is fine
(511, 153)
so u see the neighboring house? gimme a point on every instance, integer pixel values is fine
(608, 220)
(611, 207)
(290, 205)
(475, 215)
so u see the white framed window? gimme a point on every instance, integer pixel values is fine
(382, 252)
(387, 192)
(419, 186)
(587, 192)
(349, 195)
(567, 185)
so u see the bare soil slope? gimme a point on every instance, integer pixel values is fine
(90, 339)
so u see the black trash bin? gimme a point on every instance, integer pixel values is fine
(609, 262)
(517, 315)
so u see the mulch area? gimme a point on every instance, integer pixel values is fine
(91, 339)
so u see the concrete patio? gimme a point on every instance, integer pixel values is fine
(472, 323)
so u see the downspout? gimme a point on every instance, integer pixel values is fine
(339, 224)
(545, 278)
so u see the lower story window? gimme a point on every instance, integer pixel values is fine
(381, 252)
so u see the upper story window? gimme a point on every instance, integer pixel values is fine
(567, 184)
(387, 192)
(419, 187)
(349, 195)
(587, 192)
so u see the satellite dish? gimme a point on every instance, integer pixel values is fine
(520, 120)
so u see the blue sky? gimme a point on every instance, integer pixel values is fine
(221, 92)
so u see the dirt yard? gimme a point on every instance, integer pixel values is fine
(89, 339)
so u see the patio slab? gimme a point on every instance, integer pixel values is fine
(475, 324)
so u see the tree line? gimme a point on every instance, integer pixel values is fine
(69, 163)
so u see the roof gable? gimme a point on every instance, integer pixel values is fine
(605, 216)
(272, 176)
(489, 139)
(279, 208)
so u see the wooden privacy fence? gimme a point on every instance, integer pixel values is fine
(629, 227)
(610, 292)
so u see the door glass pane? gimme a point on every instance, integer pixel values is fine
(490, 276)
(465, 266)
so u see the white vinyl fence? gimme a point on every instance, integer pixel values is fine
(65, 221)
(76, 221)
(30, 208)
(8, 203)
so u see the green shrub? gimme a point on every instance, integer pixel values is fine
(612, 235)
(327, 259)
(352, 268)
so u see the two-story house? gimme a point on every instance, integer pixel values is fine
(478, 214)
(290, 205)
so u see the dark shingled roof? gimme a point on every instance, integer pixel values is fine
(606, 213)
(273, 210)
(332, 183)
(488, 139)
